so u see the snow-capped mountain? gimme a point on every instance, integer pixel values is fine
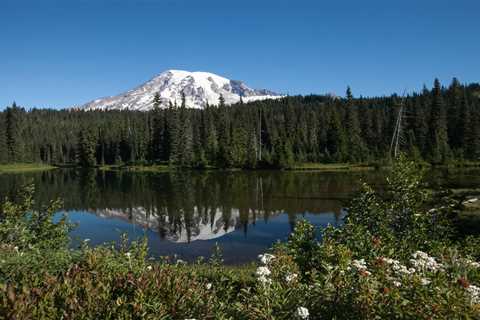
(199, 88)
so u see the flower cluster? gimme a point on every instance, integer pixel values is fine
(423, 261)
(361, 266)
(397, 267)
(291, 277)
(263, 272)
(266, 258)
(303, 313)
(474, 292)
(472, 264)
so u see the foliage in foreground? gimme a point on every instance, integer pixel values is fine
(394, 258)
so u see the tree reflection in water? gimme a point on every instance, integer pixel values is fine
(186, 206)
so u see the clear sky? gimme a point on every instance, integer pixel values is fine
(58, 53)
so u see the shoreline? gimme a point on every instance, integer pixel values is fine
(154, 168)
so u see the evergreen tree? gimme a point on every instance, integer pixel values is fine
(210, 135)
(252, 150)
(454, 109)
(238, 147)
(420, 123)
(12, 134)
(173, 128)
(438, 126)
(158, 138)
(470, 130)
(182, 151)
(356, 147)
(336, 138)
(3, 143)
(86, 149)
(224, 135)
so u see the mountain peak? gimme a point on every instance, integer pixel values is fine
(199, 88)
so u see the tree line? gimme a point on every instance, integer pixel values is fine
(439, 124)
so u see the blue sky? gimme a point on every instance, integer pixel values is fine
(57, 53)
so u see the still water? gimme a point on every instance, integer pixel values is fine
(186, 213)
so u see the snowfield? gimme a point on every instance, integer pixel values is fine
(200, 88)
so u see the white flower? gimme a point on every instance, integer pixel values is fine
(180, 261)
(290, 277)
(302, 313)
(390, 261)
(266, 258)
(264, 280)
(359, 264)
(425, 281)
(263, 271)
(401, 269)
(208, 286)
(149, 268)
(128, 254)
(397, 284)
(420, 255)
(474, 292)
(423, 261)
(472, 264)
(15, 248)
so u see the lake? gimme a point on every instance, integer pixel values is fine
(185, 213)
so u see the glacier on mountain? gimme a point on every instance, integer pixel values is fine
(199, 88)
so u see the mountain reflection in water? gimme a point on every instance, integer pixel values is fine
(187, 212)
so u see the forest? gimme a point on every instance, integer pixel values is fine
(439, 125)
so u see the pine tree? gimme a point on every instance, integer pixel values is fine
(356, 147)
(3, 143)
(284, 157)
(420, 124)
(438, 126)
(224, 135)
(86, 149)
(158, 139)
(182, 151)
(252, 150)
(336, 138)
(156, 101)
(470, 130)
(238, 147)
(210, 136)
(173, 128)
(454, 109)
(12, 134)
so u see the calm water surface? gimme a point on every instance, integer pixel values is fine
(186, 213)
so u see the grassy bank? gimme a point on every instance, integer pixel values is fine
(327, 167)
(136, 168)
(332, 167)
(24, 167)
(308, 166)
